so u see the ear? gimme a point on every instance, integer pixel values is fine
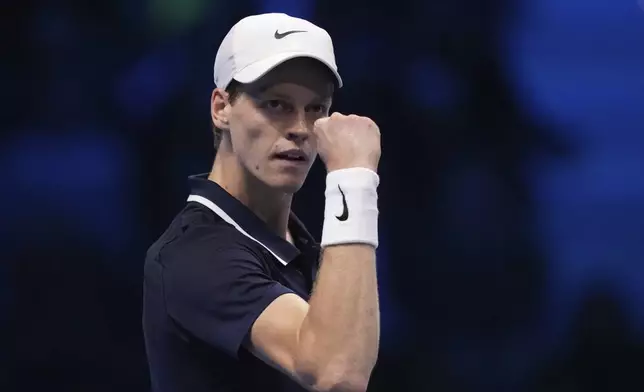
(220, 108)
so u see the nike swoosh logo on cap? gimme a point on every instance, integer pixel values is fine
(279, 35)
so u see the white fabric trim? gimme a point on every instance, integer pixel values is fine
(228, 219)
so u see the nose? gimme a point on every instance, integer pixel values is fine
(299, 130)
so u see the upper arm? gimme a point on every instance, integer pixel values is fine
(216, 291)
(227, 298)
(274, 336)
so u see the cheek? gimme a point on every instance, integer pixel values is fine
(253, 142)
(249, 146)
(247, 132)
(254, 134)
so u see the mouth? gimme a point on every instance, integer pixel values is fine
(294, 155)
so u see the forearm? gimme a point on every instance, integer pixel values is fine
(340, 334)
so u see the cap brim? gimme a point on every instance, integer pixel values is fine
(260, 68)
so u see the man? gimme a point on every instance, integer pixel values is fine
(229, 302)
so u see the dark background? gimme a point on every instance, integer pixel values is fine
(512, 196)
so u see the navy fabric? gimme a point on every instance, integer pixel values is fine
(205, 285)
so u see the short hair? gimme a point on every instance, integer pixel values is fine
(233, 91)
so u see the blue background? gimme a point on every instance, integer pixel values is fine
(512, 197)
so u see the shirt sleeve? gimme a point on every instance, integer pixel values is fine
(215, 288)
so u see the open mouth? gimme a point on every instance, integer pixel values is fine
(292, 156)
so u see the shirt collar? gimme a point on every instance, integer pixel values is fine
(232, 211)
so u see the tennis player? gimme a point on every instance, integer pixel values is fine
(238, 296)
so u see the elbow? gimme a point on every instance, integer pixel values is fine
(342, 384)
(339, 379)
(333, 370)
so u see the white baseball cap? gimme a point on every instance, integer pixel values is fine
(259, 43)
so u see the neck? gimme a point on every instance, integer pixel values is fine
(270, 205)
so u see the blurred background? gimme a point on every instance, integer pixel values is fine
(512, 196)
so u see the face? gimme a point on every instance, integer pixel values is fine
(269, 125)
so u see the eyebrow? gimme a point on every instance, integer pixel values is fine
(286, 97)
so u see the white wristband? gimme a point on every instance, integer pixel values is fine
(351, 207)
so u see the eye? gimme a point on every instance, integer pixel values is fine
(317, 108)
(276, 105)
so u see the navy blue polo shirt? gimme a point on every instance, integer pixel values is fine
(207, 279)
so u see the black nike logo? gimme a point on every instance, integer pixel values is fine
(279, 35)
(345, 209)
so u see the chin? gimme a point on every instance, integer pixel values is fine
(286, 184)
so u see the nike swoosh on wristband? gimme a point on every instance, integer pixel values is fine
(279, 35)
(345, 208)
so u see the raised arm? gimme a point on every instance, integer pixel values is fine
(331, 343)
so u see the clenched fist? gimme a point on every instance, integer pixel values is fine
(348, 141)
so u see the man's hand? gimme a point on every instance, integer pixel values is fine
(348, 141)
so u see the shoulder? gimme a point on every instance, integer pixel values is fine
(197, 235)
